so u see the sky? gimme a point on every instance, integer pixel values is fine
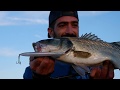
(19, 29)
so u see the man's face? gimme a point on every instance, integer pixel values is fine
(66, 26)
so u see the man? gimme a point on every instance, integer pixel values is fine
(61, 24)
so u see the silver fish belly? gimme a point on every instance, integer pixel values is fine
(91, 52)
(87, 50)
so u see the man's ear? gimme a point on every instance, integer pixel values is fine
(50, 32)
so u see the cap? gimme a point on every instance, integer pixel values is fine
(54, 15)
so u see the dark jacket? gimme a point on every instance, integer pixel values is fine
(61, 71)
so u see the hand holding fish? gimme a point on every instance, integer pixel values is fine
(45, 66)
(105, 72)
(42, 65)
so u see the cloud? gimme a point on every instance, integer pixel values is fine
(6, 23)
(36, 14)
(92, 13)
(8, 52)
(3, 19)
(23, 17)
(22, 21)
(34, 17)
(2, 14)
(38, 36)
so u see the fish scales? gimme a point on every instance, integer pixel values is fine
(87, 50)
(98, 49)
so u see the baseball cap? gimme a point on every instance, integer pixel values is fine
(54, 15)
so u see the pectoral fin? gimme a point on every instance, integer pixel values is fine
(81, 70)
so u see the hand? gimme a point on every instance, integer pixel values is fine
(42, 65)
(106, 72)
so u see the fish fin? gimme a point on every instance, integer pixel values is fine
(90, 37)
(81, 70)
(116, 43)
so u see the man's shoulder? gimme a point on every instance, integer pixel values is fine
(28, 67)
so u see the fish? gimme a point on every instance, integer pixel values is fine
(81, 52)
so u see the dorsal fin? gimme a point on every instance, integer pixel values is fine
(90, 37)
(116, 45)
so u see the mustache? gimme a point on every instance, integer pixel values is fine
(68, 35)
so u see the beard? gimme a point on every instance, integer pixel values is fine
(65, 35)
(69, 35)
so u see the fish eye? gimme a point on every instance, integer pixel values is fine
(41, 45)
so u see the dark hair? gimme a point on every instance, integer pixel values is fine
(54, 15)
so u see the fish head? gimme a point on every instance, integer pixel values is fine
(49, 45)
(54, 45)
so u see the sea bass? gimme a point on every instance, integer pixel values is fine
(87, 50)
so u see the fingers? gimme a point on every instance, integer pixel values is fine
(95, 73)
(107, 70)
(111, 71)
(46, 66)
(42, 65)
(35, 63)
(104, 72)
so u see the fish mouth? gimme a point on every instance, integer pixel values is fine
(37, 47)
